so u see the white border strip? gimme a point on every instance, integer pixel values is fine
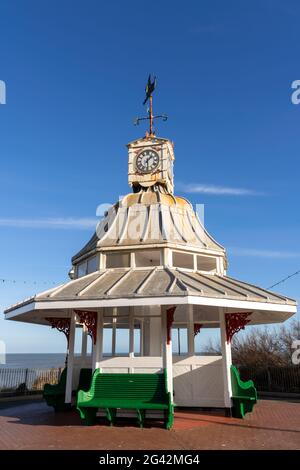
(169, 300)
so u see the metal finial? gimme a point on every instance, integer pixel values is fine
(150, 87)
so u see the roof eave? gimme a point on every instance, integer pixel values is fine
(185, 298)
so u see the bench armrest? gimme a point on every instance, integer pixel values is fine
(83, 396)
(247, 384)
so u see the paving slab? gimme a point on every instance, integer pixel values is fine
(33, 425)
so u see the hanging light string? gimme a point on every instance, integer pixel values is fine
(22, 281)
(284, 279)
(18, 281)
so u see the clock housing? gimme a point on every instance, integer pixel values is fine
(150, 161)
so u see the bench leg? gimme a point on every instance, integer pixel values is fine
(169, 418)
(242, 410)
(238, 409)
(89, 416)
(60, 404)
(111, 415)
(141, 417)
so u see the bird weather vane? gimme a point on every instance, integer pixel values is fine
(150, 87)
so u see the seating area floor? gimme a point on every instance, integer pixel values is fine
(33, 425)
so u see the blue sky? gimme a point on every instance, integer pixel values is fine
(75, 73)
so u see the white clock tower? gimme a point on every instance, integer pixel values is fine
(150, 159)
(150, 162)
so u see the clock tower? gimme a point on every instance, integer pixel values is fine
(150, 162)
(150, 159)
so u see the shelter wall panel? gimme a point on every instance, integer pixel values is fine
(135, 362)
(183, 385)
(198, 381)
(148, 370)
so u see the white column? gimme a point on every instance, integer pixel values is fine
(141, 336)
(69, 380)
(191, 336)
(167, 257)
(102, 261)
(226, 360)
(195, 262)
(84, 341)
(99, 340)
(132, 259)
(114, 332)
(167, 351)
(93, 355)
(131, 332)
(154, 330)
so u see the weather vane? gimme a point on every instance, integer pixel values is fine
(150, 87)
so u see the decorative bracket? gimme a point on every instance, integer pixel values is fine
(89, 319)
(235, 322)
(197, 328)
(61, 324)
(170, 319)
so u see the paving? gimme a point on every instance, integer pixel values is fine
(33, 425)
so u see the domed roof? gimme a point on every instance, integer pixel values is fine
(154, 197)
(150, 217)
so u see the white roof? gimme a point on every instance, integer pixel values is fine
(150, 286)
(148, 218)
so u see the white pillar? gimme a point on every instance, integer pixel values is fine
(84, 341)
(141, 336)
(167, 351)
(114, 332)
(132, 259)
(226, 360)
(191, 336)
(167, 257)
(99, 340)
(102, 261)
(154, 331)
(131, 332)
(69, 380)
(93, 355)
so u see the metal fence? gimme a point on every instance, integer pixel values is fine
(273, 379)
(29, 381)
(26, 381)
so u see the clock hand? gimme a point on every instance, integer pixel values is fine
(147, 161)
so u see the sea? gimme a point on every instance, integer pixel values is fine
(42, 360)
(34, 361)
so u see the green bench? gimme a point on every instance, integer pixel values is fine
(55, 394)
(138, 392)
(244, 395)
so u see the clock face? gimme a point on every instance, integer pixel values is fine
(147, 161)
